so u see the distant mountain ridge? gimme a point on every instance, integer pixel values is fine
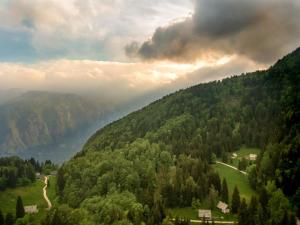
(39, 118)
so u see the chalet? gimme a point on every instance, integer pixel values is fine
(38, 175)
(223, 207)
(252, 157)
(204, 213)
(31, 209)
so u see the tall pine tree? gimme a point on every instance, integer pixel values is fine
(9, 219)
(1, 218)
(236, 200)
(224, 192)
(60, 181)
(243, 214)
(20, 213)
(253, 211)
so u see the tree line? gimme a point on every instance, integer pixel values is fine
(15, 172)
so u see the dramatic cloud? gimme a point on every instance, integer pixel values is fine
(116, 82)
(78, 46)
(262, 30)
(32, 30)
(111, 80)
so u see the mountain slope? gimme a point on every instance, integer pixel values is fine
(161, 154)
(41, 118)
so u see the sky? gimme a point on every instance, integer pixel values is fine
(125, 48)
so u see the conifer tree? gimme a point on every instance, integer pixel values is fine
(56, 219)
(60, 182)
(9, 219)
(218, 183)
(263, 198)
(253, 211)
(20, 213)
(243, 213)
(236, 200)
(1, 218)
(285, 219)
(292, 220)
(224, 192)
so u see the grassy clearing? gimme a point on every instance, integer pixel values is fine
(184, 213)
(31, 195)
(244, 152)
(233, 178)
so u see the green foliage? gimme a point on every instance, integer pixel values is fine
(278, 205)
(15, 172)
(243, 164)
(212, 197)
(64, 215)
(296, 201)
(252, 176)
(114, 207)
(60, 182)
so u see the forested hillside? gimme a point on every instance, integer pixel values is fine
(40, 118)
(159, 157)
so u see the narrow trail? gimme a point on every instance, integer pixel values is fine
(45, 193)
(232, 167)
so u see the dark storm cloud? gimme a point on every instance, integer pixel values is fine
(262, 30)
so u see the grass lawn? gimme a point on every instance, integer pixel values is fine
(31, 195)
(233, 178)
(188, 212)
(244, 152)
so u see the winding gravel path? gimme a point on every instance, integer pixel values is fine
(45, 193)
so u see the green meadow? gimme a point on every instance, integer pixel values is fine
(244, 152)
(234, 177)
(31, 195)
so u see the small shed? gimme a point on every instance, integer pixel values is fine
(31, 209)
(252, 157)
(234, 155)
(204, 213)
(223, 207)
